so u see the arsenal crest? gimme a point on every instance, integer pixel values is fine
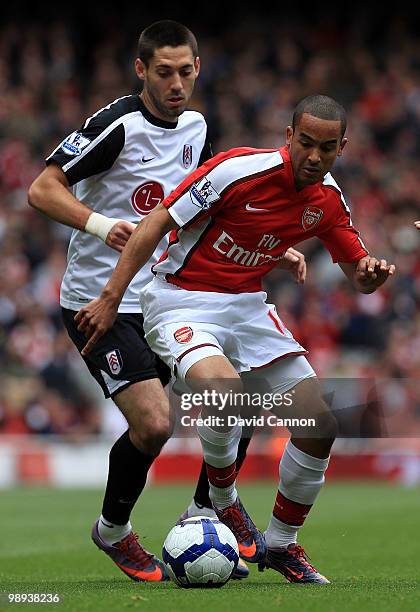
(311, 217)
(187, 156)
(183, 334)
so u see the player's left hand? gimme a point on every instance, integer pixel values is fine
(294, 262)
(95, 319)
(371, 273)
(119, 234)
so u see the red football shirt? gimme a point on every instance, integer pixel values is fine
(240, 211)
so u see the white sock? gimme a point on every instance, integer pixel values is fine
(198, 510)
(301, 479)
(301, 475)
(112, 533)
(279, 534)
(220, 449)
(222, 497)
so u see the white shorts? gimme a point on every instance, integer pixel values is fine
(183, 327)
(280, 376)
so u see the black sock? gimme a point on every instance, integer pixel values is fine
(201, 495)
(242, 448)
(127, 473)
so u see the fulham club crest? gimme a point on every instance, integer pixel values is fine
(311, 217)
(183, 334)
(187, 156)
(115, 361)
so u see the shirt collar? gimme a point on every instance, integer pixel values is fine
(169, 125)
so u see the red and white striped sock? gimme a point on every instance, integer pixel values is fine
(222, 488)
(220, 449)
(301, 479)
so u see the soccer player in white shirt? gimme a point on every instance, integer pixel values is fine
(102, 180)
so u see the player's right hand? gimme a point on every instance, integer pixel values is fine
(95, 319)
(119, 234)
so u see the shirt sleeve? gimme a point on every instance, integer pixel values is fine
(212, 186)
(343, 240)
(90, 150)
(206, 151)
(198, 196)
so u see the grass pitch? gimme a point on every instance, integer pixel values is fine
(364, 537)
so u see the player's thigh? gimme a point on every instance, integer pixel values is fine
(310, 416)
(218, 382)
(296, 394)
(121, 357)
(306, 398)
(145, 406)
(187, 327)
(261, 336)
(281, 376)
(213, 368)
(184, 344)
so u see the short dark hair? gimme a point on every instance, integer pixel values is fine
(164, 33)
(322, 107)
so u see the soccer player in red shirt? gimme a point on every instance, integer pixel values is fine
(232, 221)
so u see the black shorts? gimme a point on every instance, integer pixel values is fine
(122, 356)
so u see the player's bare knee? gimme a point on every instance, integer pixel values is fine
(158, 436)
(326, 425)
(152, 434)
(151, 425)
(317, 431)
(321, 422)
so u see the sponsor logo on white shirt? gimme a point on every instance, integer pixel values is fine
(146, 197)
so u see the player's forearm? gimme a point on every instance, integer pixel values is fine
(52, 197)
(137, 253)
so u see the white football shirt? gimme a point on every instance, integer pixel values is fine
(122, 163)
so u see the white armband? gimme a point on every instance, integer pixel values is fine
(99, 225)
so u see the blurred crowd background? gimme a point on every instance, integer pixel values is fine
(59, 68)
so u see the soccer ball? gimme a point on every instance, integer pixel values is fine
(200, 552)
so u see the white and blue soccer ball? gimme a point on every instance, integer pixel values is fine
(200, 552)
